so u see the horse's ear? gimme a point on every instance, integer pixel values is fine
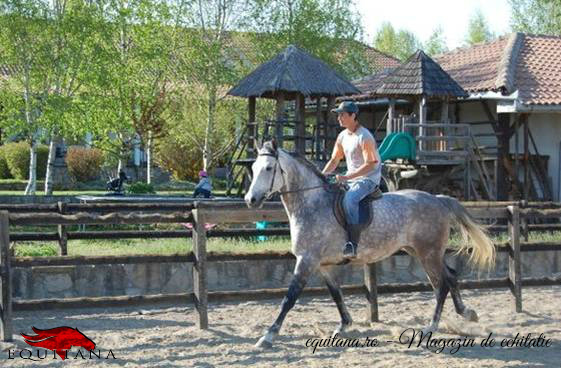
(259, 143)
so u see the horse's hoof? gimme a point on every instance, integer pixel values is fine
(470, 315)
(264, 343)
(428, 329)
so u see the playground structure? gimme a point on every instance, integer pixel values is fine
(414, 113)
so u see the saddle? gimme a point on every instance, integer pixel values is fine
(364, 207)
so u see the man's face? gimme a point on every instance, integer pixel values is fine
(346, 119)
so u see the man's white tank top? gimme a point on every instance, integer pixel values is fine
(351, 143)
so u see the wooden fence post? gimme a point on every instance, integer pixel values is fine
(200, 268)
(514, 266)
(5, 278)
(62, 234)
(371, 291)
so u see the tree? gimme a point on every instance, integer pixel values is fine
(536, 16)
(478, 29)
(124, 100)
(328, 29)
(46, 42)
(400, 44)
(436, 44)
(209, 65)
(24, 46)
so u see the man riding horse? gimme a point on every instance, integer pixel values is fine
(364, 169)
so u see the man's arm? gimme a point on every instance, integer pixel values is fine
(371, 158)
(336, 156)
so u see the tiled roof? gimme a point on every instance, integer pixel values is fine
(529, 64)
(475, 68)
(538, 72)
(379, 60)
(419, 75)
(369, 83)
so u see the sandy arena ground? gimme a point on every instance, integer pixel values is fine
(167, 335)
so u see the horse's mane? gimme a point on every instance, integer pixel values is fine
(268, 147)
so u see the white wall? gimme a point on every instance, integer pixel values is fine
(546, 129)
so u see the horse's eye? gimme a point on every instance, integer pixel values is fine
(268, 168)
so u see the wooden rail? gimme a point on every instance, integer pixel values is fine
(203, 212)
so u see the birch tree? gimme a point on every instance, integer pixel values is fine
(209, 65)
(24, 46)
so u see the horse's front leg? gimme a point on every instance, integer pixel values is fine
(302, 272)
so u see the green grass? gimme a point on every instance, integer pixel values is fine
(40, 192)
(150, 246)
(183, 246)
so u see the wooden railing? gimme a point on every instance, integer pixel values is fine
(203, 212)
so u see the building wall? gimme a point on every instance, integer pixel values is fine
(473, 111)
(546, 130)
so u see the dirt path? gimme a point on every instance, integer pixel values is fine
(167, 336)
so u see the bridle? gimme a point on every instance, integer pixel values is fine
(270, 191)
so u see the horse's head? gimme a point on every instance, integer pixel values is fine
(267, 175)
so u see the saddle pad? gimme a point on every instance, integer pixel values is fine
(364, 208)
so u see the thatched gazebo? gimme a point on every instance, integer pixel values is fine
(292, 75)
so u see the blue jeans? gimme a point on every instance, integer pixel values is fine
(357, 191)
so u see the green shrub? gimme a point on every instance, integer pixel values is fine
(17, 159)
(183, 161)
(141, 187)
(84, 164)
(4, 169)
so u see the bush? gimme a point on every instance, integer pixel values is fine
(141, 187)
(17, 159)
(4, 169)
(184, 162)
(84, 164)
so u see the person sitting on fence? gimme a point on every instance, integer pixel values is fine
(204, 187)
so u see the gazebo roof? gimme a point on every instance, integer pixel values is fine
(419, 75)
(293, 71)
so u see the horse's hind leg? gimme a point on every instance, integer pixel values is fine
(337, 295)
(460, 307)
(436, 272)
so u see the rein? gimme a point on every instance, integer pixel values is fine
(282, 172)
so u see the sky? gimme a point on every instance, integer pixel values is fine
(422, 16)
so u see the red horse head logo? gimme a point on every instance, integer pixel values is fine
(59, 339)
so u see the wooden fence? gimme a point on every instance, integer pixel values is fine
(203, 212)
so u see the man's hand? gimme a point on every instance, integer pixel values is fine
(341, 178)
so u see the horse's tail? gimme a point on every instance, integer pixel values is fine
(483, 250)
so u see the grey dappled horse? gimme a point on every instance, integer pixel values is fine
(415, 221)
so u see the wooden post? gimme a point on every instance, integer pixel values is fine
(200, 268)
(514, 266)
(62, 234)
(251, 127)
(443, 145)
(526, 158)
(300, 124)
(331, 127)
(318, 129)
(5, 278)
(502, 156)
(280, 119)
(422, 120)
(391, 116)
(524, 220)
(516, 152)
(371, 291)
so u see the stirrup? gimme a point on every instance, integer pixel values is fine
(350, 250)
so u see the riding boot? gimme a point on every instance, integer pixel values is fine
(353, 235)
